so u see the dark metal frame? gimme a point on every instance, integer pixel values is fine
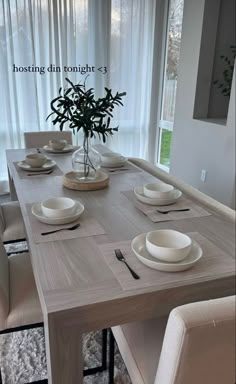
(22, 328)
(14, 241)
(111, 358)
(86, 372)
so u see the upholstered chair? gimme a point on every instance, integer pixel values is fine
(12, 227)
(19, 302)
(196, 346)
(40, 138)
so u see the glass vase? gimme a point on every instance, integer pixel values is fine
(86, 161)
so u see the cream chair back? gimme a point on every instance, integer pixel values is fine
(199, 344)
(41, 138)
(4, 286)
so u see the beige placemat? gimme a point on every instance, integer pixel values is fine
(126, 168)
(56, 171)
(213, 262)
(89, 226)
(182, 203)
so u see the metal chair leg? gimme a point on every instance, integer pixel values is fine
(104, 349)
(111, 358)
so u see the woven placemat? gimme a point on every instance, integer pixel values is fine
(56, 171)
(213, 262)
(89, 226)
(151, 211)
(126, 168)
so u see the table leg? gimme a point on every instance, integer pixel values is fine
(64, 353)
(13, 194)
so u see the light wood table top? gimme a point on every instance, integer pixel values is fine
(78, 290)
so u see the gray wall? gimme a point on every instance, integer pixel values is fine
(201, 144)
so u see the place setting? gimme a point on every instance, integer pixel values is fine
(37, 164)
(58, 147)
(164, 256)
(163, 202)
(114, 163)
(166, 250)
(60, 218)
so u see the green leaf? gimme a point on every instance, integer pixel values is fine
(79, 108)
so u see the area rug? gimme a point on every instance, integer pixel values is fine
(23, 359)
(16, 247)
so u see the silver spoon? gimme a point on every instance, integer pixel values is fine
(61, 229)
(174, 210)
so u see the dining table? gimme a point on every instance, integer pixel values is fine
(82, 286)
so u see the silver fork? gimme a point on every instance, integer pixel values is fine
(121, 258)
(61, 229)
(173, 210)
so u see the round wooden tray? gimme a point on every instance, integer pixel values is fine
(71, 181)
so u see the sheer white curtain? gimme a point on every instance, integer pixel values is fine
(51, 34)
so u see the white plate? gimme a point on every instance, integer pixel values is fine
(139, 248)
(67, 148)
(175, 195)
(37, 212)
(116, 165)
(48, 165)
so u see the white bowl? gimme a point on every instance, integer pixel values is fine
(57, 144)
(168, 245)
(111, 158)
(36, 160)
(139, 248)
(175, 195)
(158, 190)
(58, 207)
(36, 210)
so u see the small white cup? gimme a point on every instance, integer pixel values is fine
(57, 144)
(35, 160)
(158, 190)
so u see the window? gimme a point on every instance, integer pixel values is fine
(174, 29)
(59, 37)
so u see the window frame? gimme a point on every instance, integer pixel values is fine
(163, 124)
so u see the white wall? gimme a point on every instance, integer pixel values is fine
(199, 144)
